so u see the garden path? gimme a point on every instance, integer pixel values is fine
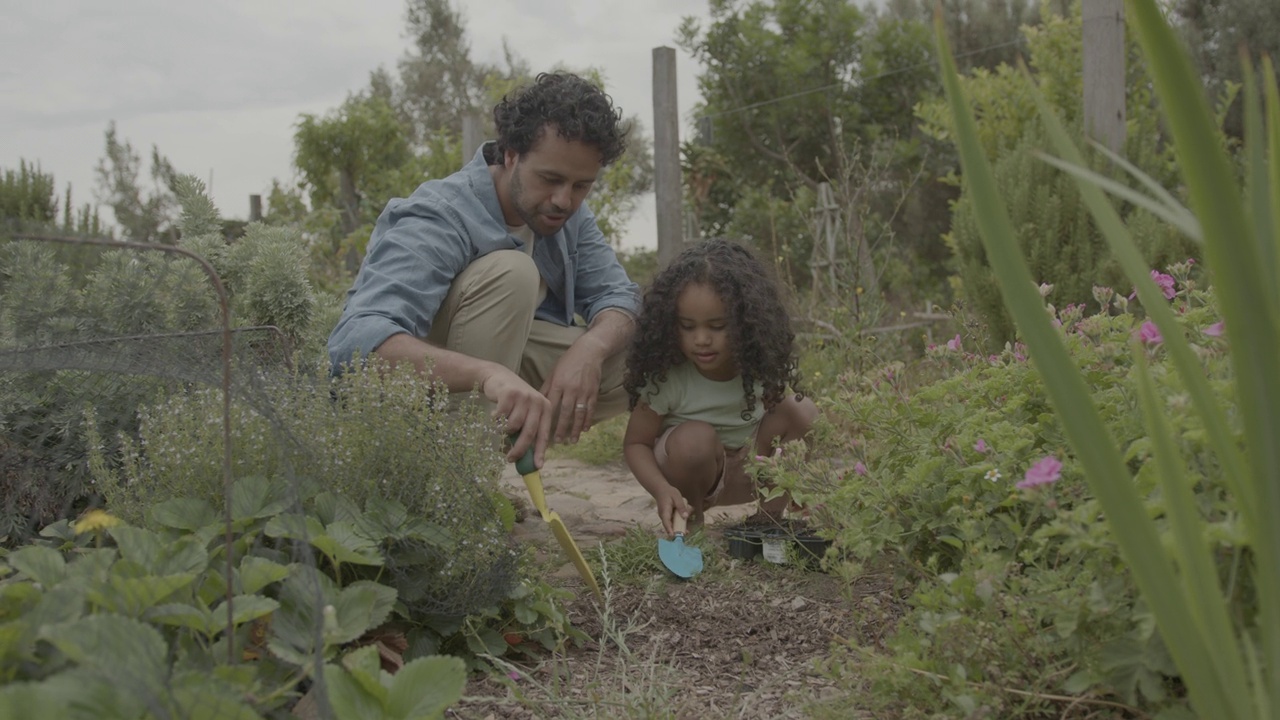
(596, 502)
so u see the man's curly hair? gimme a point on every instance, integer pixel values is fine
(577, 109)
(759, 325)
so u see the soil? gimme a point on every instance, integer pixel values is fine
(747, 639)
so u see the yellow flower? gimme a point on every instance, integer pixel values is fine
(94, 520)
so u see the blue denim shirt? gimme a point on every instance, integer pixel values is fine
(422, 242)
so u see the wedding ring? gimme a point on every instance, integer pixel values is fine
(581, 406)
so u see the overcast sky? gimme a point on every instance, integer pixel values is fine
(218, 86)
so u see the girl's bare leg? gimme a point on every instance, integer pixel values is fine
(695, 458)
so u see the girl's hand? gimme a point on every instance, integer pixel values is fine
(670, 502)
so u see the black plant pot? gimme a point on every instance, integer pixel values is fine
(744, 543)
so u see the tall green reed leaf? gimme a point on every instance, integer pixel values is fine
(1237, 253)
(1192, 622)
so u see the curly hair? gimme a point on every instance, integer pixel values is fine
(579, 110)
(759, 325)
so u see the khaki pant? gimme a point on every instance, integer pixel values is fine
(488, 314)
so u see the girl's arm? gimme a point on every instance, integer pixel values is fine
(637, 447)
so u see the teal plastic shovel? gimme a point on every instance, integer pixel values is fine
(683, 560)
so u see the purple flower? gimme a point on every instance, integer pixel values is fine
(954, 343)
(1215, 330)
(981, 446)
(859, 468)
(1047, 471)
(1149, 333)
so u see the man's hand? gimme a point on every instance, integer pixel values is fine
(670, 502)
(574, 386)
(525, 409)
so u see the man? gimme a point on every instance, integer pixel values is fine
(475, 279)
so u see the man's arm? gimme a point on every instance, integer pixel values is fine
(574, 384)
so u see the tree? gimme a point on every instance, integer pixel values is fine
(142, 218)
(1218, 30)
(28, 200)
(27, 196)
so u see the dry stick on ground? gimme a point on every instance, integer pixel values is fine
(1070, 700)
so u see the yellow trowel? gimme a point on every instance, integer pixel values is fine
(533, 481)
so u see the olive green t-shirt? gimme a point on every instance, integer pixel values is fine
(687, 395)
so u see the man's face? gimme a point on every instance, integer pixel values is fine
(549, 183)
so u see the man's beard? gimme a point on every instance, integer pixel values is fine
(529, 215)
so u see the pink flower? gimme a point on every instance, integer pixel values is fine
(981, 446)
(1047, 471)
(1215, 330)
(954, 343)
(1149, 333)
(513, 675)
(1166, 283)
(859, 468)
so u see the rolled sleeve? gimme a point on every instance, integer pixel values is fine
(411, 261)
(600, 281)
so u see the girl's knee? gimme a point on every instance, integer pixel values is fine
(693, 441)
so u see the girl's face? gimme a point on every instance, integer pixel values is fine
(703, 325)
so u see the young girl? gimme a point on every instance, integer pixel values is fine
(708, 378)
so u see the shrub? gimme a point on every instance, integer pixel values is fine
(1010, 587)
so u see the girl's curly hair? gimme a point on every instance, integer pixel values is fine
(579, 111)
(759, 325)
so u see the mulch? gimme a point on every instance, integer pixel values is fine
(750, 643)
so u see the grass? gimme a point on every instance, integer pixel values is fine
(601, 445)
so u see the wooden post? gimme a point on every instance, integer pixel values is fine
(824, 247)
(1104, 70)
(472, 136)
(255, 208)
(666, 155)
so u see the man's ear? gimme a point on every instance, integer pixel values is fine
(509, 158)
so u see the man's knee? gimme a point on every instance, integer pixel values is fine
(510, 271)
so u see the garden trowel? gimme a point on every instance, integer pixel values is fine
(533, 481)
(683, 560)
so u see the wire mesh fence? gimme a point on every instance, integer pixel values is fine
(193, 527)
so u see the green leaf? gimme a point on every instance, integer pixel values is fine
(184, 514)
(1176, 215)
(256, 573)
(41, 564)
(181, 615)
(133, 595)
(331, 507)
(257, 497)
(487, 641)
(243, 609)
(32, 700)
(293, 527)
(186, 555)
(201, 701)
(365, 666)
(426, 687)
(139, 546)
(349, 698)
(115, 646)
(361, 607)
(343, 542)
(383, 518)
